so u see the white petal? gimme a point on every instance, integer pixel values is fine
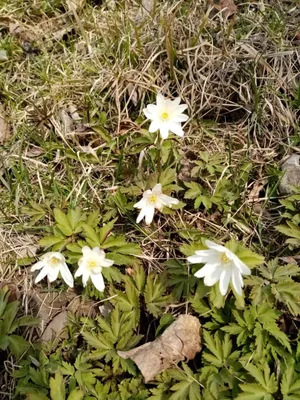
(98, 281)
(224, 281)
(241, 266)
(37, 265)
(160, 100)
(204, 256)
(157, 189)
(106, 262)
(149, 213)
(53, 274)
(41, 275)
(176, 101)
(86, 251)
(66, 275)
(210, 280)
(147, 113)
(80, 270)
(176, 128)
(99, 253)
(164, 131)
(179, 118)
(141, 215)
(181, 108)
(237, 281)
(153, 109)
(85, 277)
(154, 126)
(167, 200)
(215, 246)
(208, 269)
(140, 204)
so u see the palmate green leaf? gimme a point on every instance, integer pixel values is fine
(75, 219)
(35, 395)
(139, 277)
(18, 345)
(154, 294)
(288, 292)
(105, 230)
(49, 241)
(9, 316)
(67, 368)
(194, 190)
(57, 387)
(62, 221)
(252, 391)
(103, 342)
(76, 394)
(263, 377)
(91, 235)
(189, 249)
(290, 384)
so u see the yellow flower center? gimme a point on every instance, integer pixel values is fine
(92, 264)
(224, 258)
(152, 199)
(165, 116)
(54, 261)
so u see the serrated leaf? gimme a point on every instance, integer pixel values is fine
(57, 387)
(76, 394)
(17, 345)
(62, 222)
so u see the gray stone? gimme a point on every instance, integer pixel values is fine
(291, 177)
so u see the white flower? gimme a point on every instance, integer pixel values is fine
(166, 115)
(90, 266)
(51, 264)
(222, 265)
(153, 199)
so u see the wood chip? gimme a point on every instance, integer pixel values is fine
(180, 341)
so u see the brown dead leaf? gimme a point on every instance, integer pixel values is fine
(256, 188)
(179, 341)
(75, 5)
(227, 7)
(4, 128)
(55, 327)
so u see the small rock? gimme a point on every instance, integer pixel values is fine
(291, 177)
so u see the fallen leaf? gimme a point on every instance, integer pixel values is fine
(181, 340)
(55, 327)
(256, 188)
(4, 128)
(75, 5)
(227, 7)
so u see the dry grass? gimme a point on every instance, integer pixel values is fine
(78, 76)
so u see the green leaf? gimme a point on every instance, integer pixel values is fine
(49, 241)
(139, 277)
(194, 190)
(63, 223)
(18, 345)
(105, 230)
(57, 387)
(91, 236)
(36, 396)
(76, 394)
(154, 294)
(252, 391)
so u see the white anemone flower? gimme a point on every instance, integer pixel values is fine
(221, 265)
(166, 116)
(51, 264)
(90, 266)
(153, 199)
